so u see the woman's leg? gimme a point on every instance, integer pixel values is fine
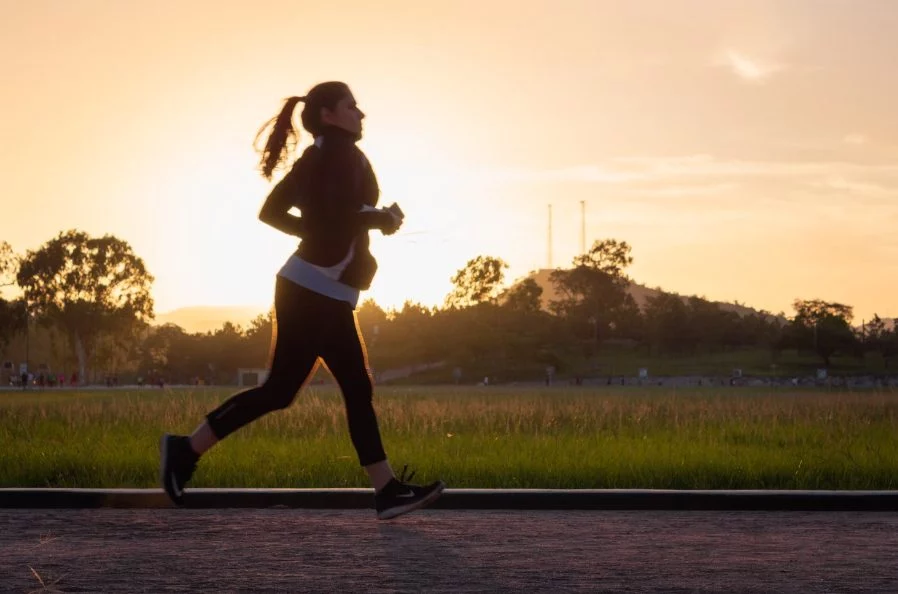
(294, 358)
(344, 354)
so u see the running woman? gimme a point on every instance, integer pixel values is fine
(316, 291)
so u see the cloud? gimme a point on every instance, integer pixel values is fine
(855, 139)
(684, 191)
(703, 165)
(578, 173)
(747, 68)
(704, 175)
(868, 189)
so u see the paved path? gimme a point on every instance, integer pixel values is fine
(187, 550)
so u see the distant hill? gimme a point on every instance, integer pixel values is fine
(208, 318)
(640, 294)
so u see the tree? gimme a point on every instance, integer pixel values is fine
(524, 297)
(890, 343)
(667, 322)
(371, 320)
(118, 349)
(9, 265)
(227, 351)
(712, 328)
(882, 338)
(258, 339)
(88, 287)
(156, 348)
(607, 255)
(817, 309)
(874, 334)
(763, 329)
(477, 282)
(13, 315)
(593, 294)
(824, 327)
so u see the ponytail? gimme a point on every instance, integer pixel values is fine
(281, 139)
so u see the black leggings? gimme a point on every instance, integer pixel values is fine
(309, 326)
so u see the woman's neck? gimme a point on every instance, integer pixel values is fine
(337, 133)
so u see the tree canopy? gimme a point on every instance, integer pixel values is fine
(87, 286)
(478, 282)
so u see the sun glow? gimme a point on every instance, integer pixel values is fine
(699, 137)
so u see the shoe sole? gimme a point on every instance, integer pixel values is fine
(163, 451)
(393, 512)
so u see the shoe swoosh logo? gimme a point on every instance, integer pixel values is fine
(406, 495)
(174, 485)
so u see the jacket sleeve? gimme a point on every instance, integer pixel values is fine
(284, 196)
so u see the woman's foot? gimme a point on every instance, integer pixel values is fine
(178, 464)
(400, 497)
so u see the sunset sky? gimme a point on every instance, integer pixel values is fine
(747, 150)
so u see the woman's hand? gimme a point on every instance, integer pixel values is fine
(391, 223)
(397, 217)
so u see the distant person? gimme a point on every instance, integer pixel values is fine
(24, 379)
(316, 291)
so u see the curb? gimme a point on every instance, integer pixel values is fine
(462, 499)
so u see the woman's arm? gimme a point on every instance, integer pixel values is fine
(276, 209)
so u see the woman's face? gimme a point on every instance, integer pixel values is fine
(345, 114)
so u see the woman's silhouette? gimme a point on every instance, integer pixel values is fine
(316, 291)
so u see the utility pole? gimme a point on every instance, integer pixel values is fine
(583, 227)
(27, 337)
(549, 247)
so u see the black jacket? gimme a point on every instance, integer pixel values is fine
(330, 184)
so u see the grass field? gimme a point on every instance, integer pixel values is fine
(495, 437)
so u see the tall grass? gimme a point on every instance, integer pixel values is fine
(494, 437)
